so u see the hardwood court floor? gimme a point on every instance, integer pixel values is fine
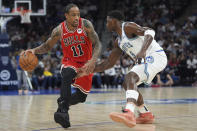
(175, 110)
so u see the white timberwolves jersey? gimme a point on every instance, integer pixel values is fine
(156, 59)
(132, 46)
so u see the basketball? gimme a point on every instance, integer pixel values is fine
(28, 61)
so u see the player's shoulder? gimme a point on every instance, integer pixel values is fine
(131, 25)
(87, 25)
(57, 31)
(85, 20)
(59, 26)
(131, 28)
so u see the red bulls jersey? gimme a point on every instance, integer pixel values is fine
(75, 44)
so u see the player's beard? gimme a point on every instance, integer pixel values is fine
(75, 23)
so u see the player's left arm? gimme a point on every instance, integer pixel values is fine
(92, 35)
(148, 33)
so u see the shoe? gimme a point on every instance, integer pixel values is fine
(61, 116)
(127, 117)
(145, 118)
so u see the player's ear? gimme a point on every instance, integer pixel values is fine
(66, 15)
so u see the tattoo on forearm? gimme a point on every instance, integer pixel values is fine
(45, 47)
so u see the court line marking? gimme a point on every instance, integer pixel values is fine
(108, 122)
(47, 92)
(93, 91)
(81, 125)
(171, 117)
(148, 101)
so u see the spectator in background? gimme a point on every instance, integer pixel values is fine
(22, 78)
(56, 78)
(191, 66)
(164, 79)
(119, 77)
(38, 78)
(173, 62)
(96, 80)
(108, 78)
(182, 69)
(48, 76)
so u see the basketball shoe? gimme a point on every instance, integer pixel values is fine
(61, 116)
(145, 118)
(127, 117)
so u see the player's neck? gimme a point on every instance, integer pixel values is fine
(70, 27)
(118, 29)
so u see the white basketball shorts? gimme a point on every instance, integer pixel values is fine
(155, 63)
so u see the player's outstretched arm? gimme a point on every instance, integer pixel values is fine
(111, 60)
(48, 45)
(92, 35)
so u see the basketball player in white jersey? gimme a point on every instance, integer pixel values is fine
(137, 42)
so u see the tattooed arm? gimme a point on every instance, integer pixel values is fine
(48, 45)
(52, 40)
(92, 35)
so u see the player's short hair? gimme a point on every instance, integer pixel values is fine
(117, 14)
(68, 7)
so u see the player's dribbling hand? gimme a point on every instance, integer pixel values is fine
(87, 69)
(140, 56)
(89, 66)
(80, 73)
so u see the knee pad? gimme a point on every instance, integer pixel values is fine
(68, 74)
(132, 77)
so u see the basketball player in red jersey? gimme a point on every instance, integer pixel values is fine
(81, 48)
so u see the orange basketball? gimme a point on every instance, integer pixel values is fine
(28, 61)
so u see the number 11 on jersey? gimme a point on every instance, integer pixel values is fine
(74, 49)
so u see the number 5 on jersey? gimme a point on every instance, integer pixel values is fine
(74, 49)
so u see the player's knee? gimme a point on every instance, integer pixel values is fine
(68, 74)
(131, 77)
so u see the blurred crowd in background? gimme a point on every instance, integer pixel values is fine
(176, 32)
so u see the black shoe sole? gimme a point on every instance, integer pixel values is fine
(62, 119)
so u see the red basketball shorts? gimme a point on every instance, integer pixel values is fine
(83, 83)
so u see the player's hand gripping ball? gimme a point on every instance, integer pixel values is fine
(28, 61)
